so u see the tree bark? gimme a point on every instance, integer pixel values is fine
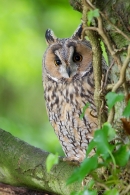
(115, 17)
(24, 165)
(117, 13)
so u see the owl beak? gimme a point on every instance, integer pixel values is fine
(68, 70)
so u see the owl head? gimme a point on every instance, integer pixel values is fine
(68, 58)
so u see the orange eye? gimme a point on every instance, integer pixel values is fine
(77, 57)
(57, 62)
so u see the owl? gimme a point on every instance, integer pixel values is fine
(68, 85)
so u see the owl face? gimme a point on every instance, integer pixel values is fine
(67, 58)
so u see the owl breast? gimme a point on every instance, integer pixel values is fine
(65, 102)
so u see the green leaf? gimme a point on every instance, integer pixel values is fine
(100, 141)
(112, 98)
(122, 155)
(111, 131)
(51, 160)
(104, 52)
(84, 109)
(102, 145)
(88, 165)
(91, 146)
(126, 112)
(111, 192)
(91, 14)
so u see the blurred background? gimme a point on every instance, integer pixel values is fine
(22, 44)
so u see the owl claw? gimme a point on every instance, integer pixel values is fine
(71, 161)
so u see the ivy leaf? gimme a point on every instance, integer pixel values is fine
(112, 98)
(100, 141)
(122, 155)
(84, 109)
(102, 145)
(51, 160)
(88, 165)
(91, 14)
(111, 192)
(126, 112)
(91, 146)
(111, 131)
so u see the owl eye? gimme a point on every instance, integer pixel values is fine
(77, 57)
(57, 62)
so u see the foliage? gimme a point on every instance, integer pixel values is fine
(109, 158)
(51, 160)
(92, 14)
(112, 98)
(105, 158)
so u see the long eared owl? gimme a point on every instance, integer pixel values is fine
(68, 85)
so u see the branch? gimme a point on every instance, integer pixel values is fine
(24, 165)
(97, 64)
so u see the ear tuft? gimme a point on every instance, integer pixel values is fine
(77, 34)
(50, 37)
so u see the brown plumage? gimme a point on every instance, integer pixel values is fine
(68, 86)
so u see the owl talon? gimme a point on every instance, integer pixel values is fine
(71, 161)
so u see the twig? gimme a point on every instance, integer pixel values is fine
(108, 42)
(101, 32)
(102, 185)
(109, 87)
(116, 28)
(107, 19)
(111, 115)
(122, 72)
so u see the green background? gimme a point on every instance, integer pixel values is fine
(22, 27)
